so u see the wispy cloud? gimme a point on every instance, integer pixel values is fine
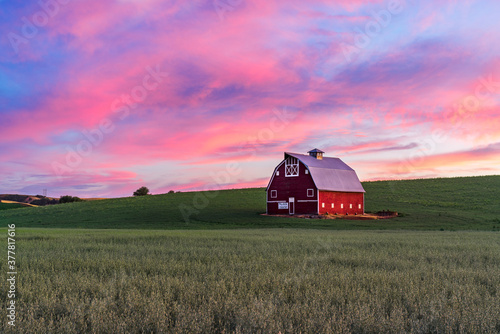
(225, 79)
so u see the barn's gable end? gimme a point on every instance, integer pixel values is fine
(299, 189)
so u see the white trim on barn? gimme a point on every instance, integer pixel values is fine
(317, 198)
(274, 173)
(291, 167)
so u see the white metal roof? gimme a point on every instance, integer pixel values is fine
(330, 174)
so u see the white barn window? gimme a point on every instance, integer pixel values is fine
(322, 205)
(333, 205)
(310, 192)
(274, 193)
(341, 206)
(350, 206)
(291, 167)
(278, 173)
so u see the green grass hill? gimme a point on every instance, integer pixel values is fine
(7, 206)
(468, 203)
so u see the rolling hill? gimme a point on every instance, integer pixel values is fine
(11, 205)
(467, 203)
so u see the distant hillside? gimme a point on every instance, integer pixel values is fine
(7, 206)
(470, 203)
(29, 199)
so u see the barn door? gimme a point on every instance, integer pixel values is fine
(291, 205)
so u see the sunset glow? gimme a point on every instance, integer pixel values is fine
(99, 98)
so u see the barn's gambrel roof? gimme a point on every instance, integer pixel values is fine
(330, 174)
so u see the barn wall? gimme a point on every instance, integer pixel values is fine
(295, 186)
(339, 198)
(300, 208)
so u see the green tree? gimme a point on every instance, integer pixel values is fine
(69, 199)
(142, 191)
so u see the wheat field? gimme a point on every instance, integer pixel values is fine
(255, 281)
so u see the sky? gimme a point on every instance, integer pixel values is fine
(99, 98)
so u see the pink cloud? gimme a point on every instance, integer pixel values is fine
(225, 78)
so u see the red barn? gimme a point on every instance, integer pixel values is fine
(313, 184)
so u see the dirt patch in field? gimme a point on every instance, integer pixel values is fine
(13, 202)
(366, 216)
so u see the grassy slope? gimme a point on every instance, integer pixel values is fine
(461, 203)
(450, 204)
(7, 206)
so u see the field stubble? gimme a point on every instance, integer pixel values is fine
(251, 281)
